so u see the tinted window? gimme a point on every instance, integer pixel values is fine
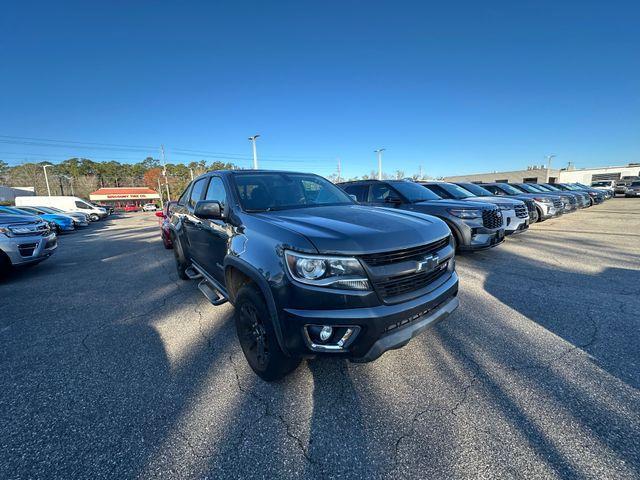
(359, 191)
(83, 205)
(414, 192)
(196, 192)
(184, 197)
(449, 190)
(267, 191)
(476, 189)
(216, 191)
(380, 192)
(509, 189)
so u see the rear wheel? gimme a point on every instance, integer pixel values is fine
(181, 262)
(257, 337)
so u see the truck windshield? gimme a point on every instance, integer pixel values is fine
(476, 189)
(267, 191)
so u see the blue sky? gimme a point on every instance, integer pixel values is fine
(457, 87)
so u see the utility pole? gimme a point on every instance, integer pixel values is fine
(255, 151)
(164, 173)
(191, 172)
(420, 172)
(339, 170)
(160, 193)
(46, 179)
(379, 152)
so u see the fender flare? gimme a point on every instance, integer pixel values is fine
(454, 230)
(251, 272)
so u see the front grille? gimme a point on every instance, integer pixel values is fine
(398, 285)
(492, 218)
(557, 202)
(415, 253)
(26, 249)
(521, 211)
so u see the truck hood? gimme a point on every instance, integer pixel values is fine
(495, 200)
(357, 229)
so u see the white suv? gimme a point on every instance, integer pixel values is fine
(149, 207)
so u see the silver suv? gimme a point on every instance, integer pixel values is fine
(24, 240)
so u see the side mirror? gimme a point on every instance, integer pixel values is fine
(160, 214)
(208, 209)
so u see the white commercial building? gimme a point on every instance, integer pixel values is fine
(546, 175)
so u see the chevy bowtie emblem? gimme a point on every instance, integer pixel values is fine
(427, 263)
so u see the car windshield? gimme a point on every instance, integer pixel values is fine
(571, 187)
(635, 184)
(455, 191)
(600, 184)
(48, 210)
(527, 188)
(510, 189)
(476, 189)
(266, 191)
(12, 210)
(551, 188)
(414, 192)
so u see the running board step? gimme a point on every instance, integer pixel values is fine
(192, 273)
(211, 293)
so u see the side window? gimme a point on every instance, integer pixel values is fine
(184, 197)
(438, 190)
(196, 192)
(82, 205)
(359, 191)
(216, 191)
(380, 192)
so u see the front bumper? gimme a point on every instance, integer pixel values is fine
(514, 224)
(23, 250)
(379, 328)
(632, 193)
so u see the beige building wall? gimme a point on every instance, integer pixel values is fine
(539, 175)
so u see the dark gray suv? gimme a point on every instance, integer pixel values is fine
(475, 225)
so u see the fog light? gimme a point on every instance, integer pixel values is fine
(325, 333)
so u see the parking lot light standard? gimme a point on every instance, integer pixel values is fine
(379, 152)
(46, 179)
(255, 151)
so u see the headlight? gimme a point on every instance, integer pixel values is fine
(505, 206)
(329, 272)
(6, 231)
(543, 199)
(465, 213)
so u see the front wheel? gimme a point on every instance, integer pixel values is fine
(257, 337)
(94, 217)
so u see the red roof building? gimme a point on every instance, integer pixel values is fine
(120, 196)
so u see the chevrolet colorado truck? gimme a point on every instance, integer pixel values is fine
(309, 271)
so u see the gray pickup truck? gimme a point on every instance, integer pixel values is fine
(24, 240)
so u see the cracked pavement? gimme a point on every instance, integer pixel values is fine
(112, 367)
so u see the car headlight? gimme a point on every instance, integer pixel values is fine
(505, 206)
(330, 272)
(465, 212)
(543, 199)
(6, 231)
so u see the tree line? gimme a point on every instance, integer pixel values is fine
(81, 176)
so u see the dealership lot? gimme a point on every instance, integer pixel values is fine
(113, 367)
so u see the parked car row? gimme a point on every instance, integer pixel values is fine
(350, 270)
(627, 183)
(28, 230)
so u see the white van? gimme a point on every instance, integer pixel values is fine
(68, 204)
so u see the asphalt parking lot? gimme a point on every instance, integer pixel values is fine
(113, 367)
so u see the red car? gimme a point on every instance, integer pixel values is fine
(165, 216)
(131, 208)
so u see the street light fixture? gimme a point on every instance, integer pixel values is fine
(255, 152)
(46, 179)
(379, 152)
(549, 158)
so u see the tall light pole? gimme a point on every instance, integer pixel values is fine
(339, 169)
(191, 172)
(46, 179)
(255, 152)
(549, 158)
(379, 152)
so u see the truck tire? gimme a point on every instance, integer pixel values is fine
(179, 255)
(257, 336)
